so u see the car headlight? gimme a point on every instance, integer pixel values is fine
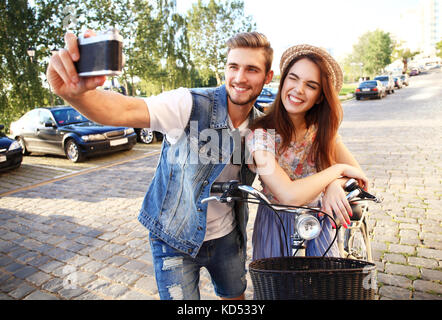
(129, 131)
(14, 146)
(93, 137)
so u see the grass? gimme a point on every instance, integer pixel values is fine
(348, 88)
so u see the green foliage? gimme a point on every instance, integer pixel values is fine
(374, 50)
(209, 26)
(439, 49)
(21, 85)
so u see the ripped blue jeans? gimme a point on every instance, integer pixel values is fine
(178, 274)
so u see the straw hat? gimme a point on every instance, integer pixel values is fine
(303, 49)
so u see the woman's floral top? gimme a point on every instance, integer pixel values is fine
(295, 160)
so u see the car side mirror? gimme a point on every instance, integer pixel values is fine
(49, 124)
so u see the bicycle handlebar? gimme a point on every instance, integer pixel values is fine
(230, 189)
(233, 190)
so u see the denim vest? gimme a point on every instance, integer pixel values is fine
(172, 208)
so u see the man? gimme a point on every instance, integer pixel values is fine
(186, 234)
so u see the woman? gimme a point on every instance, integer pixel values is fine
(305, 118)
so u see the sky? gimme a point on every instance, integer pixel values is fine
(332, 24)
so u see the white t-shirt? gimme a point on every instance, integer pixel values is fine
(169, 114)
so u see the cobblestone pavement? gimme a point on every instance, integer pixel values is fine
(39, 168)
(79, 238)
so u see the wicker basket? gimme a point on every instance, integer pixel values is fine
(313, 278)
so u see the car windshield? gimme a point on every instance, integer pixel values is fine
(381, 78)
(68, 116)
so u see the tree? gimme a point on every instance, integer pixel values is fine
(21, 85)
(209, 26)
(439, 49)
(404, 54)
(374, 50)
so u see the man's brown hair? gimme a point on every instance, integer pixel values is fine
(254, 40)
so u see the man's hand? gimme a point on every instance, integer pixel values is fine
(62, 75)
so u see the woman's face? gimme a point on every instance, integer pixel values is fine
(302, 87)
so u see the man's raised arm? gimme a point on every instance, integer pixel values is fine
(101, 106)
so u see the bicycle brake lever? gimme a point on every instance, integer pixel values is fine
(210, 199)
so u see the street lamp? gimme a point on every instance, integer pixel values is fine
(31, 53)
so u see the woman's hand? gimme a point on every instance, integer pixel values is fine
(352, 172)
(334, 201)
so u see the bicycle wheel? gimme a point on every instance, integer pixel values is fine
(357, 243)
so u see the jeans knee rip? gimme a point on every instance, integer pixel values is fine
(175, 292)
(172, 263)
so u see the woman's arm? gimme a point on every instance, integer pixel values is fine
(334, 199)
(300, 191)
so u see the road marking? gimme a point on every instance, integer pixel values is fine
(78, 173)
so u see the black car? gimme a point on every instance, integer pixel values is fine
(371, 88)
(265, 99)
(10, 152)
(63, 130)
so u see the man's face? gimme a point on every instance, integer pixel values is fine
(245, 75)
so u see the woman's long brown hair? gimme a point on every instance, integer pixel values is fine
(326, 115)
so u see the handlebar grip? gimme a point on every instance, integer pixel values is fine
(221, 187)
(217, 187)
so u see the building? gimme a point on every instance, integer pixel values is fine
(420, 28)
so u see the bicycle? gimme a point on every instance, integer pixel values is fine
(311, 277)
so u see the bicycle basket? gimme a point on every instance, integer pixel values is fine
(313, 278)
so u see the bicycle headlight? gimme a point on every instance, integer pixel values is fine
(308, 226)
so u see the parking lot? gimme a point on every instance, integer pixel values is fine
(40, 168)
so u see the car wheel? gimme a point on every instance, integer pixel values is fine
(72, 151)
(22, 144)
(146, 135)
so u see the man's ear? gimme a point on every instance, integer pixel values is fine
(269, 77)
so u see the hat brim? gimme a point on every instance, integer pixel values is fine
(332, 65)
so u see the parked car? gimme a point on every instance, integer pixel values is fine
(371, 88)
(397, 82)
(387, 81)
(265, 99)
(63, 130)
(414, 72)
(405, 79)
(11, 155)
(146, 135)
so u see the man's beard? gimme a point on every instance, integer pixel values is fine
(239, 103)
